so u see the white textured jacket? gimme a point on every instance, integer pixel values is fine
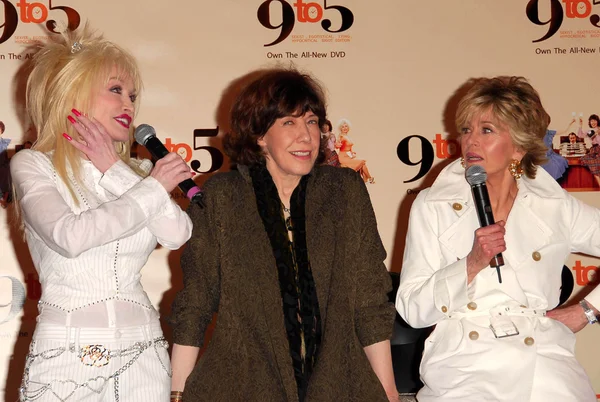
(463, 360)
(89, 256)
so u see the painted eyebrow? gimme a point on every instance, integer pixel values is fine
(134, 92)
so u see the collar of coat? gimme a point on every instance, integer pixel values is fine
(527, 230)
(451, 185)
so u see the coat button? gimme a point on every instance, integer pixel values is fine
(473, 335)
(529, 341)
(457, 206)
(536, 256)
(444, 309)
(472, 306)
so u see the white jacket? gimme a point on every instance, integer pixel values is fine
(89, 256)
(463, 360)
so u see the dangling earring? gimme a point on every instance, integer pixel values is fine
(515, 168)
(462, 162)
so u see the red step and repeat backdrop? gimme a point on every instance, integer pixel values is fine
(392, 70)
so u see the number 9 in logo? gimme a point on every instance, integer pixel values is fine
(555, 21)
(287, 19)
(427, 156)
(11, 19)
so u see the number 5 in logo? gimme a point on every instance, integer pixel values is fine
(73, 18)
(216, 156)
(347, 18)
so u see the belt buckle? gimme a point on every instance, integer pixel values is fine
(94, 355)
(502, 326)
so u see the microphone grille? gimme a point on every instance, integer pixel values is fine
(143, 132)
(475, 175)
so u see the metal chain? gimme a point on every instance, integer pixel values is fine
(165, 345)
(136, 349)
(117, 388)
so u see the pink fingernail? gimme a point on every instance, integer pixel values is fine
(76, 112)
(194, 173)
(71, 119)
(67, 136)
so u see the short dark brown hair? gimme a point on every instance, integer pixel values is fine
(276, 93)
(593, 117)
(2, 127)
(328, 124)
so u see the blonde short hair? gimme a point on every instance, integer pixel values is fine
(343, 121)
(66, 73)
(516, 104)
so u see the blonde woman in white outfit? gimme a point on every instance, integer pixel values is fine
(498, 341)
(92, 216)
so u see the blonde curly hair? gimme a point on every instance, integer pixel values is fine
(66, 73)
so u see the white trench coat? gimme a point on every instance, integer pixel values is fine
(463, 360)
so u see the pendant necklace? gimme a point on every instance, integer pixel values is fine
(288, 219)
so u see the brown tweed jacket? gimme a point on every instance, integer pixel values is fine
(229, 268)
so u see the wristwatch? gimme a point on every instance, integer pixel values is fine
(589, 313)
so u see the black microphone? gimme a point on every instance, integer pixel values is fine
(145, 135)
(476, 177)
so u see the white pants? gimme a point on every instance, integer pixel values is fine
(97, 364)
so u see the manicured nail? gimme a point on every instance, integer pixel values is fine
(76, 112)
(71, 119)
(67, 136)
(194, 173)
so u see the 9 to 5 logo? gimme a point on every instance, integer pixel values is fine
(306, 12)
(185, 151)
(573, 9)
(444, 149)
(33, 13)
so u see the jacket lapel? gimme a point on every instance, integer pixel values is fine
(526, 232)
(319, 239)
(267, 282)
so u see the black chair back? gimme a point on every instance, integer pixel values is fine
(407, 348)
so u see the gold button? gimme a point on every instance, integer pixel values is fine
(529, 341)
(472, 306)
(473, 335)
(444, 309)
(536, 256)
(457, 206)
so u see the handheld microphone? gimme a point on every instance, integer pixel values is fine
(145, 135)
(476, 177)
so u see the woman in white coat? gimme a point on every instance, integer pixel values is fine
(498, 341)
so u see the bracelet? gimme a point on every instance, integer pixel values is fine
(176, 396)
(589, 313)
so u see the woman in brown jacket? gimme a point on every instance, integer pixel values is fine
(289, 256)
